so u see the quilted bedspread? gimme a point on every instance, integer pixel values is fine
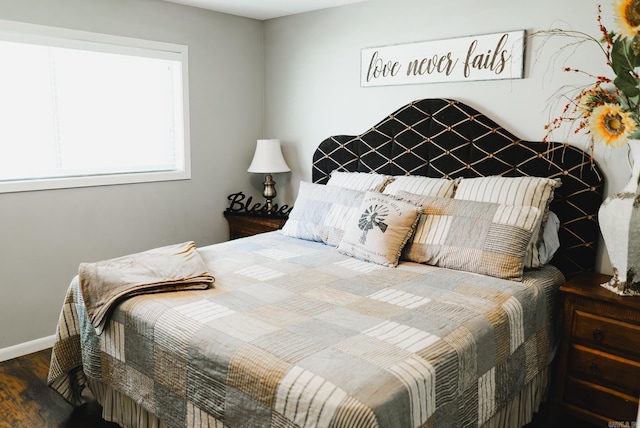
(295, 334)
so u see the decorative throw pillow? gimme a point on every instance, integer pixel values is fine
(482, 237)
(378, 231)
(315, 204)
(521, 191)
(362, 181)
(419, 185)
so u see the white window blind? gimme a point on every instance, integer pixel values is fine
(85, 109)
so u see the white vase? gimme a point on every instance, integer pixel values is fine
(619, 219)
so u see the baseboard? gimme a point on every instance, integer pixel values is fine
(26, 348)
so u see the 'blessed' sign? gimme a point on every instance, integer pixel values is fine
(484, 57)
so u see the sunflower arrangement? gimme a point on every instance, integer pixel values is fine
(609, 109)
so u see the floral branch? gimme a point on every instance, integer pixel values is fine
(608, 109)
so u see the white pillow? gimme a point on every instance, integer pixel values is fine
(316, 204)
(520, 191)
(419, 185)
(379, 229)
(362, 181)
(550, 241)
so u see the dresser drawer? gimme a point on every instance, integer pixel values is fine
(601, 367)
(608, 403)
(606, 332)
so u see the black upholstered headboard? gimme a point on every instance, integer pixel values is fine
(446, 138)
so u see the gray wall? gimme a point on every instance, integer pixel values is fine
(44, 235)
(313, 67)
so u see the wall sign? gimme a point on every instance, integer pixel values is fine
(484, 57)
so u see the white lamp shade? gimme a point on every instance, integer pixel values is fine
(268, 158)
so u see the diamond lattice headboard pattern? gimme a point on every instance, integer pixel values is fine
(446, 138)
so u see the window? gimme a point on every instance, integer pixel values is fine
(84, 109)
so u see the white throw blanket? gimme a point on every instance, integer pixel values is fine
(171, 268)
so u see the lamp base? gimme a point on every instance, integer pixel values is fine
(269, 191)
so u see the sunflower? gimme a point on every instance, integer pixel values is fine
(610, 125)
(627, 17)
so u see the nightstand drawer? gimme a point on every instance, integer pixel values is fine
(606, 332)
(601, 367)
(598, 368)
(596, 399)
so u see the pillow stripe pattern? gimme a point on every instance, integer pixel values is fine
(481, 237)
(439, 187)
(361, 181)
(335, 222)
(521, 191)
(316, 205)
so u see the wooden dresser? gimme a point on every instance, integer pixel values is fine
(598, 369)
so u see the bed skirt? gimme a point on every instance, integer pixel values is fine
(118, 408)
(519, 411)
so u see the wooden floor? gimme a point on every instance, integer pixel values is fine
(27, 402)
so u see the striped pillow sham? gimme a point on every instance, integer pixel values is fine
(520, 191)
(481, 237)
(419, 185)
(361, 181)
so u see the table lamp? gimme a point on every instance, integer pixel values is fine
(268, 160)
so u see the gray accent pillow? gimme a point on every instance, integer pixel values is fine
(481, 237)
(522, 191)
(318, 206)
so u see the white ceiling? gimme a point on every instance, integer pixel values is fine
(264, 9)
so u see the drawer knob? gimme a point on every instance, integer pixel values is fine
(595, 370)
(598, 335)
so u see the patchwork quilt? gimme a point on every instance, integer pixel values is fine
(295, 334)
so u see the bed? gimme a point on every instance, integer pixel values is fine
(301, 329)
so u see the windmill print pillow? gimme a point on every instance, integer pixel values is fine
(379, 229)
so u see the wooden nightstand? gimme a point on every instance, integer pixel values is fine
(598, 371)
(243, 224)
